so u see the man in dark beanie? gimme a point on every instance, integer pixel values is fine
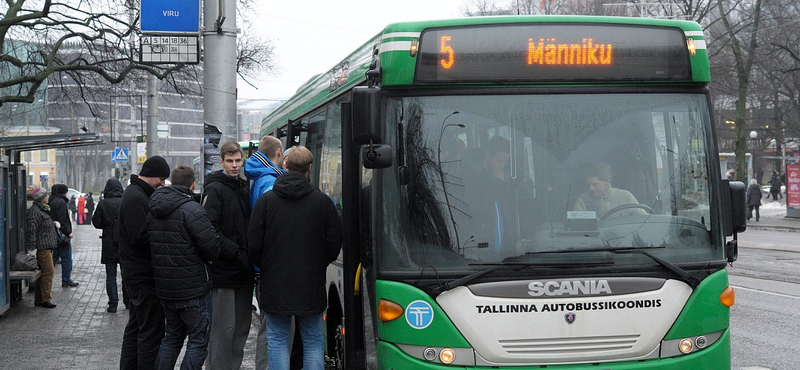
(145, 327)
(59, 211)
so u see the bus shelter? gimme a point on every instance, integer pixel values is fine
(13, 201)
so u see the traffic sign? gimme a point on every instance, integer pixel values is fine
(119, 155)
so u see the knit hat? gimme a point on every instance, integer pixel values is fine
(155, 166)
(38, 194)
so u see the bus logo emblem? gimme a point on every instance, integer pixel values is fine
(419, 314)
(570, 317)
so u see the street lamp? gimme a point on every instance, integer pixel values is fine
(753, 136)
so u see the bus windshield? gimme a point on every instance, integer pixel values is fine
(514, 179)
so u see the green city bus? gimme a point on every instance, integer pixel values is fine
(523, 192)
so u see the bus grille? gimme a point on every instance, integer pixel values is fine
(565, 346)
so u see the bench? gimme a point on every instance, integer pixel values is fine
(21, 282)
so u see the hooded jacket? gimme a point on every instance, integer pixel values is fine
(227, 204)
(59, 211)
(106, 218)
(262, 172)
(134, 241)
(182, 241)
(294, 233)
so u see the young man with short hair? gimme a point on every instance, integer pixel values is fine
(227, 204)
(183, 242)
(263, 167)
(293, 255)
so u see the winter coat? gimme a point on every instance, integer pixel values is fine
(263, 173)
(81, 205)
(182, 241)
(134, 241)
(294, 233)
(106, 218)
(59, 211)
(754, 195)
(775, 183)
(40, 230)
(89, 205)
(227, 204)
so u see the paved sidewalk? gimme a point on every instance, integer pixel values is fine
(79, 333)
(773, 217)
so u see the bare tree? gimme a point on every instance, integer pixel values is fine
(741, 22)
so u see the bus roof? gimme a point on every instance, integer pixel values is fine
(399, 66)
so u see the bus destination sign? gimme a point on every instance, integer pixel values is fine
(553, 52)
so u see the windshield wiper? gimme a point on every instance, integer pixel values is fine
(505, 266)
(684, 275)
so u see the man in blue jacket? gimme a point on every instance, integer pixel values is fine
(293, 255)
(263, 167)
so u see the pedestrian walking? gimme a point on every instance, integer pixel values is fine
(183, 241)
(145, 328)
(73, 207)
(227, 203)
(753, 200)
(40, 234)
(775, 186)
(293, 255)
(106, 219)
(89, 207)
(63, 253)
(81, 210)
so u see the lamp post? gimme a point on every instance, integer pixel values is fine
(441, 172)
(753, 136)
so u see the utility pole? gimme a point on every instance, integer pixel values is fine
(219, 68)
(152, 116)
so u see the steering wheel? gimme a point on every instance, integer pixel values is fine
(625, 206)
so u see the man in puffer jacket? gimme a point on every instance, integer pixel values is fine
(182, 242)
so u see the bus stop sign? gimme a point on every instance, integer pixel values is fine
(180, 16)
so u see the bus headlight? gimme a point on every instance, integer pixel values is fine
(688, 345)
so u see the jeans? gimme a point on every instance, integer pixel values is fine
(278, 336)
(144, 331)
(230, 325)
(63, 253)
(188, 318)
(111, 286)
(750, 214)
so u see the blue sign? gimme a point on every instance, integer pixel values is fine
(119, 155)
(171, 16)
(419, 314)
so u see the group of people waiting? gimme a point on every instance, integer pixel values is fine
(189, 268)
(190, 262)
(81, 208)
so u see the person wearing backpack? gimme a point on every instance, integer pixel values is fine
(106, 218)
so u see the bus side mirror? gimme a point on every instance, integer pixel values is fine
(366, 113)
(738, 206)
(376, 156)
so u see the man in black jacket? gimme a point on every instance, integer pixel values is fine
(227, 204)
(182, 242)
(59, 211)
(106, 219)
(145, 327)
(294, 233)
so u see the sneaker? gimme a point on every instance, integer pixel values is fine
(69, 284)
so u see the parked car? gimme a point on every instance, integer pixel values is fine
(75, 192)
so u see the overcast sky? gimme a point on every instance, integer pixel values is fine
(311, 36)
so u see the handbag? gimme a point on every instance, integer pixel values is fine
(24, 262)
(61, 238)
